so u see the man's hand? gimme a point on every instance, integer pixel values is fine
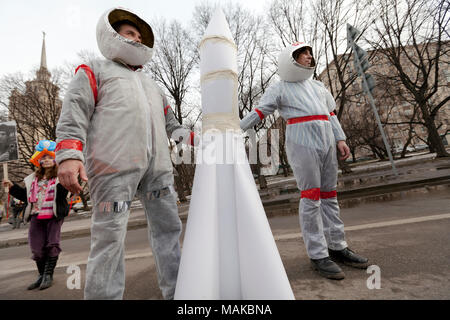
(344, 150)
(7, 184)
(68, 172)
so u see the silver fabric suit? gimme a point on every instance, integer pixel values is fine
(124, 136)
(311, 150)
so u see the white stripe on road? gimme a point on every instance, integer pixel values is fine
(29, 265)
(374, 225)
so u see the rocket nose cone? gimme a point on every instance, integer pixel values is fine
(218, 26)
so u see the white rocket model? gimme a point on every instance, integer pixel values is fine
(228, 250)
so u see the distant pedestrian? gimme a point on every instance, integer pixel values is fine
(2, 210)
(17, 207)
(46, 207)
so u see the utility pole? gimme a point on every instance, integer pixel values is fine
(368, 82)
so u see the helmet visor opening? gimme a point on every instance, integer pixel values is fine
(118, 16)
(297, 53)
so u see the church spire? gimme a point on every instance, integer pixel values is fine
(42, 73)
(43, 53)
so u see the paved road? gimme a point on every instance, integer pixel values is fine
(408, 239)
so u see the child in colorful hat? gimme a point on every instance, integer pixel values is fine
(46, 207)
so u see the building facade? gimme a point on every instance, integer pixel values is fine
(397, 107)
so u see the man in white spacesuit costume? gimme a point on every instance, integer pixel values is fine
(116, 121)
(312, 134)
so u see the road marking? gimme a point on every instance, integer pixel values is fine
(28, 265)
(374, 225)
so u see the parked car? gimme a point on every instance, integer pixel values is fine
(400, 149)
(420, 146)
(397, 149)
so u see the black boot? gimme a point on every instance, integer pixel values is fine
(349, 258)
(41, 266)
(50, 265)
(328, 268)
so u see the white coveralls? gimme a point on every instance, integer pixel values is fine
(117, 121)
(310, 147)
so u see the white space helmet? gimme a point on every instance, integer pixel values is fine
(115, 47)
(289, 69)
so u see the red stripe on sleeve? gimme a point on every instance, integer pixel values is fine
(260, 114)
(69, 144)
(192, 138)
(91, 76)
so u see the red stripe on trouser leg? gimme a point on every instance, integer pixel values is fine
(330, 194)
(313, 194)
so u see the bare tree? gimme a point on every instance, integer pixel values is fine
(413, 36)
(256, 67)
(174, 61)
(362, 131)
(35, 106)
(354, 125)
(333, 17)
(402, 110)
(293, 21)
(172, 67)
(322, 24)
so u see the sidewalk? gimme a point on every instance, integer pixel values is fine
(366, 178)
(74, 227)
(368, 169)
(281, 197)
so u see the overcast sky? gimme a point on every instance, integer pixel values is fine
(70, 26)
